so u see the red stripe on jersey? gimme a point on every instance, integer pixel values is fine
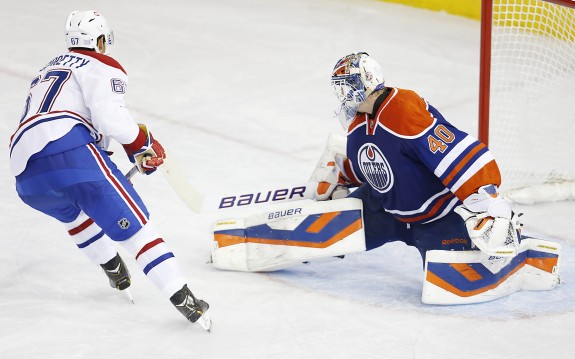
(23, 124)
(114, 181)
(87, 223)
(105, 59)
(149, 246)
(404, 113)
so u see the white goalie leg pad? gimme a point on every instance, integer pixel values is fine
(289, 235)
(465, 277)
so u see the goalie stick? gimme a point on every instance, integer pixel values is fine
(200, 203)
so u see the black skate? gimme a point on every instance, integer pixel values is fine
(117, 273)
(192, 308)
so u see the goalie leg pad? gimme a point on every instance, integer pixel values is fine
(464, 277)
(288, 236)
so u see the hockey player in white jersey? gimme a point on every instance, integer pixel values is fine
(58, 155)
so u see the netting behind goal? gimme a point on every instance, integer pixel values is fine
(528, 101)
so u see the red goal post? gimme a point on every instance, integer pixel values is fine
(527, 96)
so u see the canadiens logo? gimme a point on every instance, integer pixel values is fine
(375, 167)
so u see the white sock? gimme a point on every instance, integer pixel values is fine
(91, 240)
(156, 260)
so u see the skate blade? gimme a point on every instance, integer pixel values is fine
(205, 322)
(129, 295)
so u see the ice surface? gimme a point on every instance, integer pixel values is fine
(238, 91)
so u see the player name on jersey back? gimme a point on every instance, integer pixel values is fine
(67, 60)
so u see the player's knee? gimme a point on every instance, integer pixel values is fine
(140, 239)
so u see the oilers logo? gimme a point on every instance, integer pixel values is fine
(375, 167)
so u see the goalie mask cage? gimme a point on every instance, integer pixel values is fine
(527, 97)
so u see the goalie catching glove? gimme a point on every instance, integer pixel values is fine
(147, 153)
(492, 226)
(333, 173)
(332, 182)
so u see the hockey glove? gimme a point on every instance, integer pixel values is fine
(492, 226)
(332, 183)
(147, 153)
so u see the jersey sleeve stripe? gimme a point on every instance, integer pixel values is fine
(488, 173)
(446, 210)
(448, 160)
(421, 209)
(470, 172)
(438, 207)
(463, 164)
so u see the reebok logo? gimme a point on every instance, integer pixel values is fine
(448, 242)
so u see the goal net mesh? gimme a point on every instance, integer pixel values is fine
(532, 99)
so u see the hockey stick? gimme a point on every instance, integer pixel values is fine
(259, 197)
(173, 174)
(199, 203)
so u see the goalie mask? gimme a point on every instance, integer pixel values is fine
(83, 28)
(353, 79)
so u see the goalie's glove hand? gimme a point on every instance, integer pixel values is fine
(492, 226)
(331, 181)
(146, 152)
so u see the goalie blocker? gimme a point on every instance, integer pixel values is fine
(308, 230)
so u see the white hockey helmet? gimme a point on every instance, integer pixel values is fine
(83, 28)
(353, 79)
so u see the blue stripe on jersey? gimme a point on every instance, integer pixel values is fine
(157, 261)
(36, 123)
(91, 240)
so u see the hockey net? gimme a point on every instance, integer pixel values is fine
(527, 103)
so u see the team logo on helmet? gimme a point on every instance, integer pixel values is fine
(375, 167)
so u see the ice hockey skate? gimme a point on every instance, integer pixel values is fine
(195, 310)
(117, 273)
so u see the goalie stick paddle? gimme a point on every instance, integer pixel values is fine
(268, 196)
(200, 203)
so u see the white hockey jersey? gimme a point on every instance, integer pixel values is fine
(78, 88)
